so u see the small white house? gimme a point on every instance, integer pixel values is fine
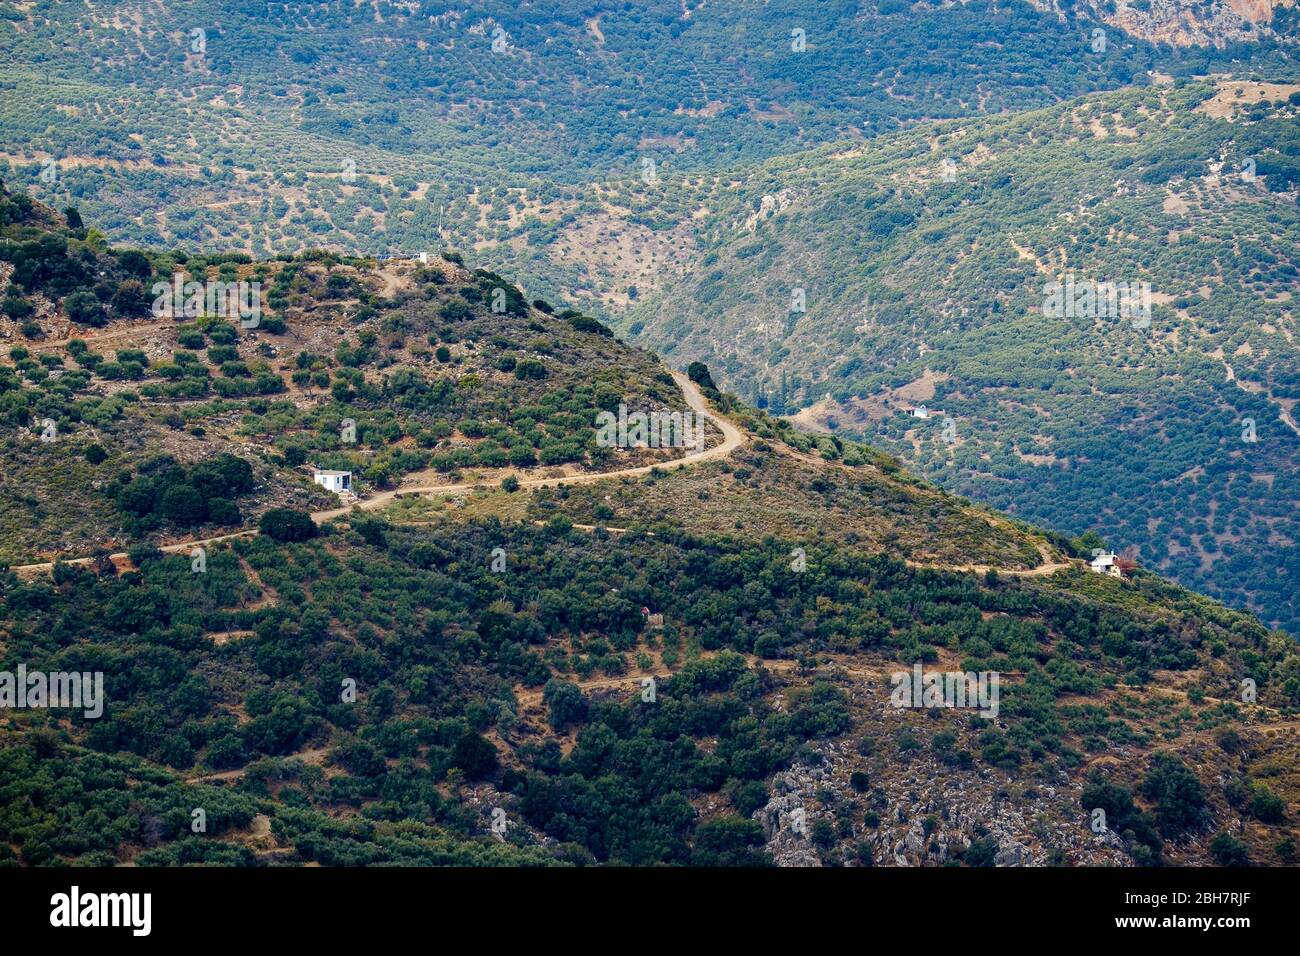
(339, 482)
(920, 411)
(1106, 563)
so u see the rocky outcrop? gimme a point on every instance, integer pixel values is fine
(788, 817)
(927, 814)
(1183, 22)
(1187, 24)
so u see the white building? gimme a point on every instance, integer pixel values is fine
(922, 412)
(1105, 563)
(339, 482)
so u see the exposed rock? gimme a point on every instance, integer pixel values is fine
(787, 818)
(1012, 853)
(1182, 22)
(927, 813)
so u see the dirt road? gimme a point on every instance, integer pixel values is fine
(732, 438)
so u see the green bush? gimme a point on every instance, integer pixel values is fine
(1228, 851)
(285, 524)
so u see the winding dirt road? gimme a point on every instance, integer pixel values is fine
(1049, 566)
(732, 438)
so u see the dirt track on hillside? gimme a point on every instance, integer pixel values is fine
(732, 438)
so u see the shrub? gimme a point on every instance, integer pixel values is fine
(698, 373)
(565, 703)
(456, 310)
(584, 324)
(983, 851)
(182, 505)
(136, 263)
(16, 307)
(1180, 801)
(475, 755)
(285, 524)
(130, 298)
(1228, 851)
(530, 369)
(223, 511)
(729, 841)
(83, 306)
(1266, 806)
(823, 835)
(1123, 817)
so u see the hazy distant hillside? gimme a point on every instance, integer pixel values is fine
(368, 129)
(873, 278)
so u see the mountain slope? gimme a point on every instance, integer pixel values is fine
(700, 676)
(853, 283)
(397, 372)
(274, 129)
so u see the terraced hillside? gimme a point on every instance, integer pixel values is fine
(848, 285)
(373, 129)
(400, 372)
(688, 663)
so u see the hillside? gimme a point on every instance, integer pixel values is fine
(850, 284)
(401, 372)
(620, 656)
(535, 139)
(273, 129)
